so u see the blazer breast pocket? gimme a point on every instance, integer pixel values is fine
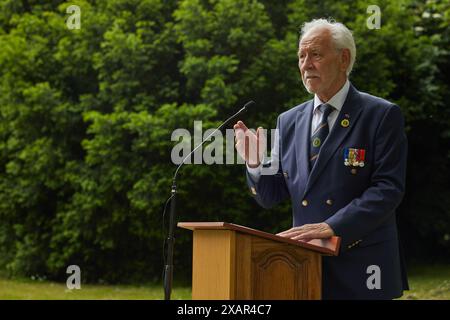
(354, 159)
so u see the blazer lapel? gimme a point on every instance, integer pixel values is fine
(350, 111)
(302, 137)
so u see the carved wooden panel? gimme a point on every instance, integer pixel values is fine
(280, 275)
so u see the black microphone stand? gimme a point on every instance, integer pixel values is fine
(168, 268)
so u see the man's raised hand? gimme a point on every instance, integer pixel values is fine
(250, 146)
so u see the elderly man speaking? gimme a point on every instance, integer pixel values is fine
(341, 158)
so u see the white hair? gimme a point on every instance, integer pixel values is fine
(341, 35)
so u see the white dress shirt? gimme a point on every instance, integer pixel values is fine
(337, 101)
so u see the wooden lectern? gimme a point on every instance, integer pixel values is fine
(236, 262)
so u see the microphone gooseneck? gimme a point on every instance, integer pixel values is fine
(168, 268)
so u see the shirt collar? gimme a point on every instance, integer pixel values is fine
(337, 101)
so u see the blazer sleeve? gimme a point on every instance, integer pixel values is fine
(270, 189)
(378, 202)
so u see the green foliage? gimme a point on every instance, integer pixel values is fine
(86, 118)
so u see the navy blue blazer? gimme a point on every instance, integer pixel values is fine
(358, 203)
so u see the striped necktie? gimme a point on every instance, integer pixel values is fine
(320, 134)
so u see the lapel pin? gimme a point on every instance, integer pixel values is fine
(345, 123)
(316, 142)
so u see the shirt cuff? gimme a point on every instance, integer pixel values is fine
(255, 173)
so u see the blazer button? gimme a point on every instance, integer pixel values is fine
(305, 203)
(329, 202)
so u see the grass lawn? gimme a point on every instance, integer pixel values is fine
(429, 282)
(426, 282)
(45, 290)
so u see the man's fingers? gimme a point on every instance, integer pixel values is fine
(285, 231)
(241, 125)
(294, 229)
(308, 232)
(299, 235)
(247, 148)
(239, 134)
(261, 140)
(240, 130)
(290, 233)
(250, 144)
(306, 236)
(259, 131)
(297, 232)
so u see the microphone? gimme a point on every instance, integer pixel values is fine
(168, 268)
